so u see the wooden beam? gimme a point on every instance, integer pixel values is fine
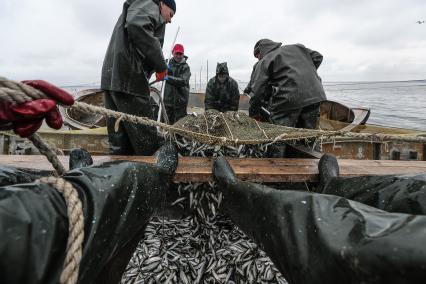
(192, 169)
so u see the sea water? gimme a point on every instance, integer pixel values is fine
(399, 104)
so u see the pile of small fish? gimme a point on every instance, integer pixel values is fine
(205, 246)
(193, 148)
(188, 251)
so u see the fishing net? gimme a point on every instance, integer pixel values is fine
(237, 128)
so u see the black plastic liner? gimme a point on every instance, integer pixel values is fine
(402, 194)
(118, 200)
(318, 238)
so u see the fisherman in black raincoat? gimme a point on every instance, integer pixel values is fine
(134, 53)
(222, 92)
(330, 237)
(290, 71)
(176, 93)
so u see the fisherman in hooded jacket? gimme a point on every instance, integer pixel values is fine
(134, 53)
(176, 93)
(290, 71)
(222, 92)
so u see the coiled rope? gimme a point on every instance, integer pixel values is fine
(74, 249)
(16, 92)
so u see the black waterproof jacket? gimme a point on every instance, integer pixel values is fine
(135, 48)
(222, 97)
(176, 94)
(291, 73)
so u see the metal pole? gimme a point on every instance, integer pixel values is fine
(160, 110)
(201, 70)
(207, 73)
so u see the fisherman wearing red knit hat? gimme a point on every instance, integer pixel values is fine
(176, 94)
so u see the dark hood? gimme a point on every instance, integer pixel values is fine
(222, 68)
(264, 46)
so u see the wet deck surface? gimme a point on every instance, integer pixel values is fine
(192, 169)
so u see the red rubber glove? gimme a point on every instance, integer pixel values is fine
(26, 118)
(159, 76)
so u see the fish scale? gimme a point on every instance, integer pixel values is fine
(205, 247)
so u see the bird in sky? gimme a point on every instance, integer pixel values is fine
(420, 22)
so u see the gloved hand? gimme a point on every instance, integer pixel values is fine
(257, 117)
(160, 76)
(26, 118)
(254, 111)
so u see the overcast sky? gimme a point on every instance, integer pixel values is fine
(64, 41)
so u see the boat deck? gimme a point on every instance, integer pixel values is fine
(193, 169)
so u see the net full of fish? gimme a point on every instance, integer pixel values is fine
(204, 246)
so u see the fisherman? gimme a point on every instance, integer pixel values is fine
(286, 77)
(176, 94)
(222, 92)
(290, 71)
(323, 238)
(134, 53)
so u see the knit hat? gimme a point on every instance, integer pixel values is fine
(171, 4)
(178, 48)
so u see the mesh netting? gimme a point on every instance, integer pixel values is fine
(230, 128)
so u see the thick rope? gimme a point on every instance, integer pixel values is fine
(73, 256)
(293, 134)
(49, 152)
(17, 92)
(290, 134)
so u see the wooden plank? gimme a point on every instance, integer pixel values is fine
(193, 169)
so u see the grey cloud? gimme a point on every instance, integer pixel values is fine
(65, 41)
